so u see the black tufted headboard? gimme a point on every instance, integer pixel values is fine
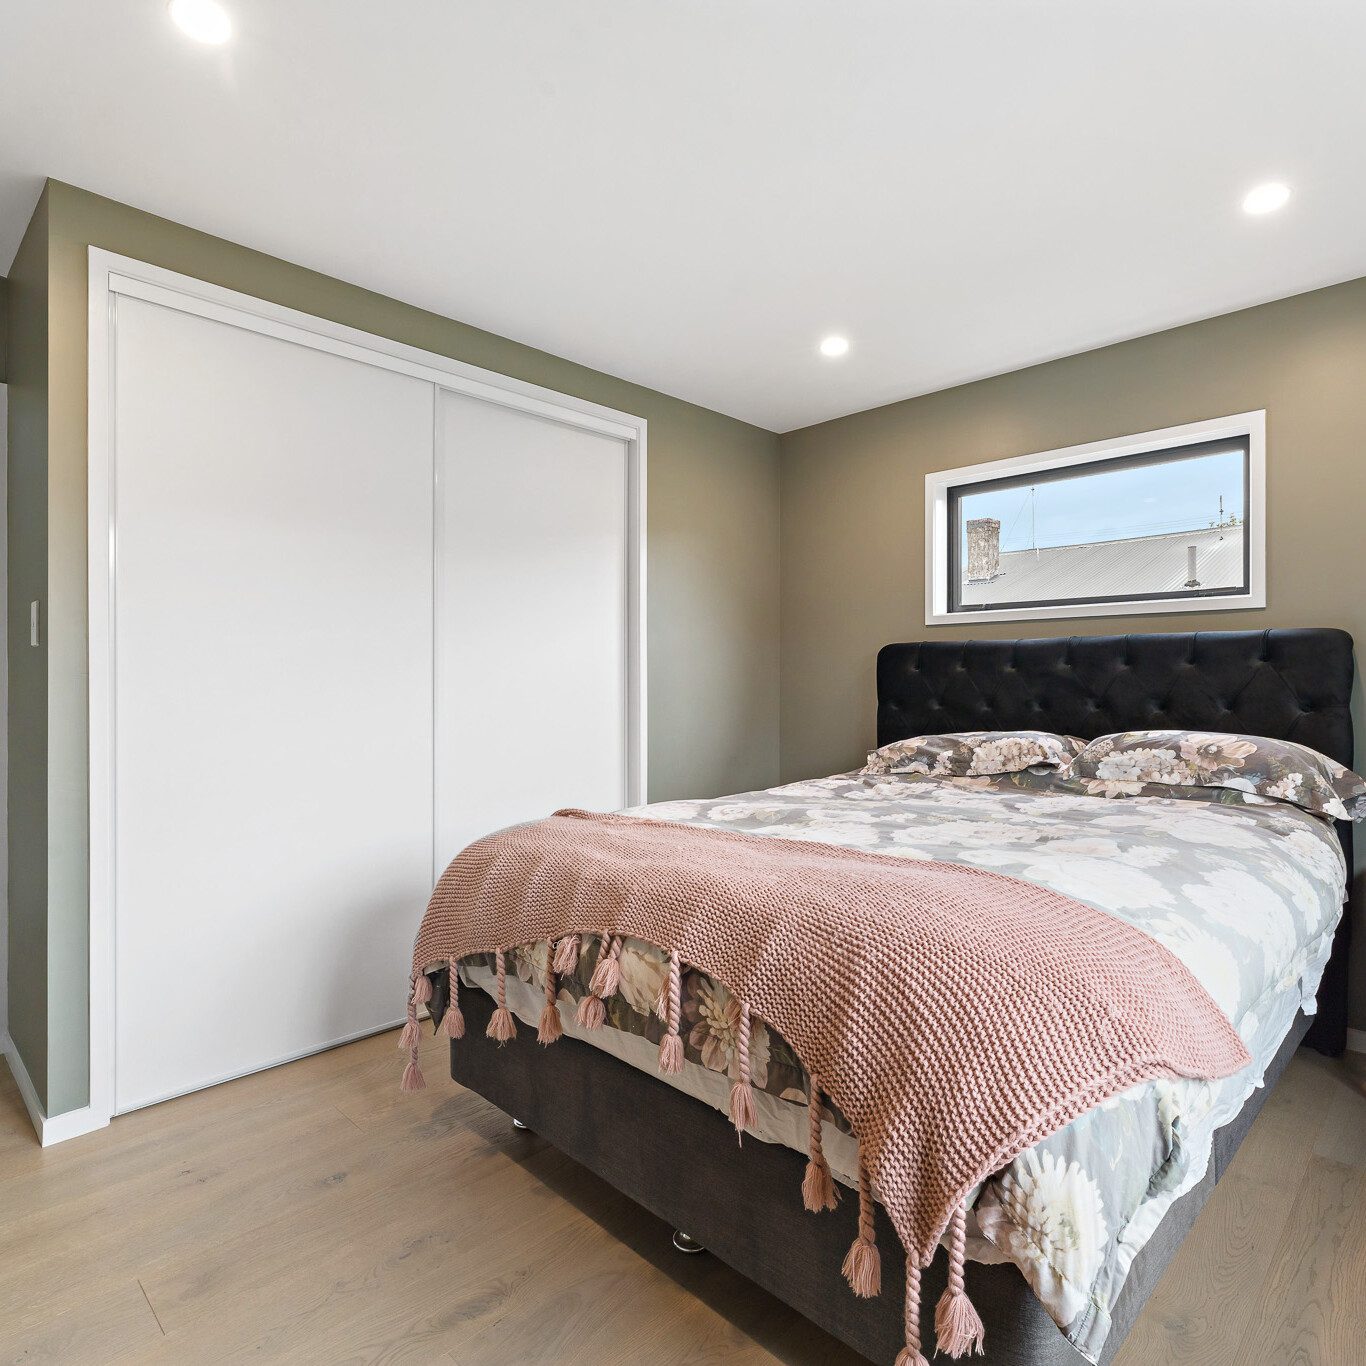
(1289, 685)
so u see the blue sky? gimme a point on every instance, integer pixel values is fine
(1179, 496)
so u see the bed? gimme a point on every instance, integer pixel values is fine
(677, 1156)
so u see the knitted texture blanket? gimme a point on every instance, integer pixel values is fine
(956, 1016)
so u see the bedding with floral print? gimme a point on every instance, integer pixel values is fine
(1246, 891)
(1144, 762)
(710, 1014)
(974, 754)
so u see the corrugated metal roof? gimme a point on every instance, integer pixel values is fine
(1139, 566)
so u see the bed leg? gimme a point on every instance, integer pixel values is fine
(686, 1244)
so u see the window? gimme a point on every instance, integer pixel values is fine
(1166, 521)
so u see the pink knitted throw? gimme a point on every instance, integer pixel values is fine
(955, 1016)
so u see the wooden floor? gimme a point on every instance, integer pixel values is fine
(314, 1214)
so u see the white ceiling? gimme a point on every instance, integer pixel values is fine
(691, 193)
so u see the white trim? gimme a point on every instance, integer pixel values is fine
(111, 275)
(1249, 425)
(59, 1128)
(157, 286)
(1356, 1040)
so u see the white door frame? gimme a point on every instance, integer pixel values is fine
(112, 275)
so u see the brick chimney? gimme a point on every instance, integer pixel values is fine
(984, 549)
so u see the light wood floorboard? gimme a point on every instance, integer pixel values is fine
(314, 1214)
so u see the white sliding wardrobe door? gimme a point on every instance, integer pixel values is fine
(533, 617)
(273, 696)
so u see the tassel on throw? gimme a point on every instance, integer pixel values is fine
(453, 1022)
(742, 1111)
(671, 1045)
(957, 1326)
(566, 955)
(412, 1079)
(550, 1027)
(863, 1263)
(607, 975)
(592, 1013)
(910, 1354)
(501, 1027)
(818, 1186)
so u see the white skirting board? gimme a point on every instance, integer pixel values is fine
(59, 1128)
(1356, 1040)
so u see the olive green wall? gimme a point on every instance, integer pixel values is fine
(712, 553)
(26, 534)
(854, 497)
(4, 327)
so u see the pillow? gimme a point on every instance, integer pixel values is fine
(1269, 770)
(974, 753)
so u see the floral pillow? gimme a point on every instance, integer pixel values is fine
(975, 753)
(1261, 769)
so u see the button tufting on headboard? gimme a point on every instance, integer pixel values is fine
(1289, 685)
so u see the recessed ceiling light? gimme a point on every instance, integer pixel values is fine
(1266, 198)
(206, 21)
(834, 346)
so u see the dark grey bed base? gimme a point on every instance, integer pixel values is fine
(679, 1158)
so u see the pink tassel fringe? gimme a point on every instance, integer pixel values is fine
(453, 1021)
(501, 1027)
(863, 1263)
(957, 1326)
(910, 1354)
(671, 1053)
(818, 1186)
(551, 1027)
(566, 955)
(607, 975)
(592, 1012)
(412, 1079)
(742, 1112)
(671, 1045)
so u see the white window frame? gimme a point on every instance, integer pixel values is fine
(1249, 427)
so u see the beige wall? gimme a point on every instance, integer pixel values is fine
(853, 499)
(712, 558)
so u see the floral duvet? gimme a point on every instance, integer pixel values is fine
(1247, 896)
